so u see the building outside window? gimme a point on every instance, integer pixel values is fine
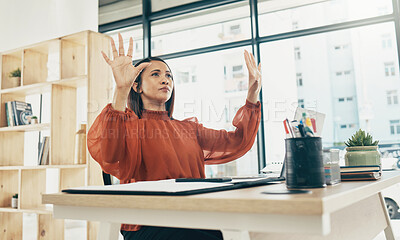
(389, 69)
(297, 53)
(300, 103)
(386, 41)
(392, 97)
(299, 78)
(394, 127)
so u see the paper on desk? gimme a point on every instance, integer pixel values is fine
(155, 186)
(319, 118)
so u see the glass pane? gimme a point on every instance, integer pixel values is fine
(157, 5)
(214, 99)
(115, 10)
(324, 91)
(201, 29)
(273, 20)
(136, 33)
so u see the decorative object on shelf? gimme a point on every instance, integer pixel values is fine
(15, 78)
(14, 201)
(80, 145)
(362, 150)
(32, 119)
(44, 151)
(18, 113)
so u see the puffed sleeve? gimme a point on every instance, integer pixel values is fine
(113, 141)
(221, 146)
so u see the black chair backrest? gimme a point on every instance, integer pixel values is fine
(106, 178)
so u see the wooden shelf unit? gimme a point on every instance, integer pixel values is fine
(57, 67)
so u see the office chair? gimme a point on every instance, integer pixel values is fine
(106, 178)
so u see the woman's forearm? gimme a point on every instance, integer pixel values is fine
(120, 99)
(252, 97)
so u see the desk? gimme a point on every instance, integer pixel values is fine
(350, 210)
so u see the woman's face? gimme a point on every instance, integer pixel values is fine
(157, 83)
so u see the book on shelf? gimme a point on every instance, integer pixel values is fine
(17, 113)
(365, 168)
(44, 151)
(354, 176)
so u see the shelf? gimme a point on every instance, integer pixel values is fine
(42, 167)
(27, 128)
(79, 81)
(44, 210)
(38, 88)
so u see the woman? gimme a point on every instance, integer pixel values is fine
(144, 143)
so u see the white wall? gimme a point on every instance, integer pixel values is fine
(24, 22)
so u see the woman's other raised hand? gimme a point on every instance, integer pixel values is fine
(254, 77)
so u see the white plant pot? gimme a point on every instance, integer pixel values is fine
(14, 202)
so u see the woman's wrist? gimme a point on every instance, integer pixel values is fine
(120, 99)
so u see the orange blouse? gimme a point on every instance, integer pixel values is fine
(155, 147)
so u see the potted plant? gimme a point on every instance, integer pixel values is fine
(362, 150)
(15, 77)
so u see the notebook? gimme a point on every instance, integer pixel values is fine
(171, 188)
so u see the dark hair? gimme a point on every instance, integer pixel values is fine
(135, 102)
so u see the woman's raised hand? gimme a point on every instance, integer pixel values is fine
(254, 77)
(124, 72)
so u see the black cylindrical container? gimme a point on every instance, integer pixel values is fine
(304, 163)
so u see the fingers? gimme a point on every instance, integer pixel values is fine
(121, 45)
(114, 49)
(142, 66)
(250, 61)
(130, 49)
(106, 58)
(246, 58)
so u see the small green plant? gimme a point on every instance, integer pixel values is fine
(360, 138)
(16, 73)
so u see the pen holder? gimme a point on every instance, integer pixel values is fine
(304, 163)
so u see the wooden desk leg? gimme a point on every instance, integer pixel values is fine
(235, 234)
(388, 230)
(108, 231)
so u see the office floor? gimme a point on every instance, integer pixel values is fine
(76, 230)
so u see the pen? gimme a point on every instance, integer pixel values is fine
(301, 130)
(286, 128)
(290, 127)
(314, 125)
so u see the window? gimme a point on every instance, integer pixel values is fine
(182, 77)
(394, 127)
(300, 103)
(297, 54)
(235, 29)
(299, 79)
(341, 47)
(386, 41)
(389, 69)
(284, 12)
(392, 97)
(343, 126)
(204, 28)
(237, 71)
(210, 102)
(335, 88)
